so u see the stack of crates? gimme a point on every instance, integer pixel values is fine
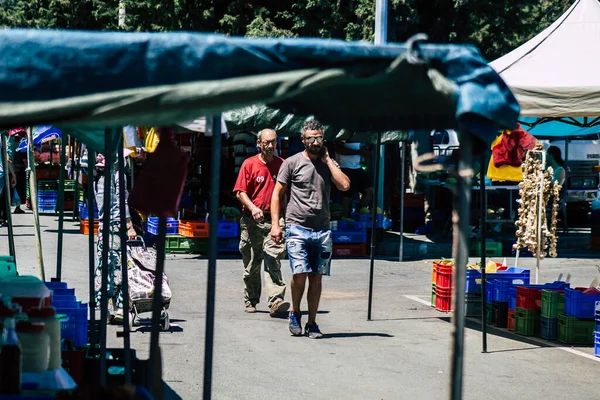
(512, 306)
(597, 330)
(499, 299)
(553, 304)
(192, 236)
(47, 196)
(228, 237)
(443, 286)
(84, 222)
(529, 305)
(577, 324)
(73, 314)
(349, 239)
(497, 292)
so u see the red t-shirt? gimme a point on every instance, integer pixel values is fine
(257, 180)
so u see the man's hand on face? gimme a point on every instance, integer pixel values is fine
(257, 214)
(325, 156)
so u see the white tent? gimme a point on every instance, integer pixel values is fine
(555, 74)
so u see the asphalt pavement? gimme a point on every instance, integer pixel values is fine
(403, 353)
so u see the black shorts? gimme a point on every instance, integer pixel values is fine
(359, 181)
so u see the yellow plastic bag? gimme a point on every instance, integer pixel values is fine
(151, 141)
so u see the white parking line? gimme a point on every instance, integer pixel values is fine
(533, 339)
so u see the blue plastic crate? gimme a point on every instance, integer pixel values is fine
(231, 245)
(512, 274)
(501, 288)
(63, 297)
(489, 291)
(47, 196)
(228, 229)
(47, 207)
(343, 236)
(548, 328)
(512, 297)
(76, 326)
(84, 212)
(597, 344)
(56, 285)
(367, 220)
(172, 226)
(580, 305)
(63, 292)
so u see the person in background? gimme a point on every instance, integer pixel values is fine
(115, 296)
(244, 146)
(555, 161)
(4, 191)
(19, 162)
(307, 233)
(349, 155)
(253, 189)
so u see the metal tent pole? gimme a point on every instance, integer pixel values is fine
(462, 202)
(214, 123)
(91, 235)
(482, 235)
(155, 353)
(76, 161)
(373, 228)
(381, 17)
(61, 208)
(11, 237)
(108, 179)
(402, 194)
(34, 204)
(124, 273)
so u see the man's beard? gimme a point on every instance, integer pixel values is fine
(268, 152)
(314, 150)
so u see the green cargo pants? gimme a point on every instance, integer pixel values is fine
(256, 245)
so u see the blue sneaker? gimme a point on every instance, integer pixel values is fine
(295, 326)
(313, 331)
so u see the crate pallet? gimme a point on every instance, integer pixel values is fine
(548, 328)
(553, 303)
(527, 322)
(573, 330)
(580, 305)
(182, 244)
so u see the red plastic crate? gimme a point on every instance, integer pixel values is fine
(443, 299)
(529, 298)
(349, 249)
(443, 277)
(511, 320)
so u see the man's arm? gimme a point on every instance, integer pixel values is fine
(256, 212)
(340, 180)
(277, 200)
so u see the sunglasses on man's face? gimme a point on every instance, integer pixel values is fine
(313, 139)
(268, 142)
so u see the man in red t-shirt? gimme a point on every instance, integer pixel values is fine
(253, 188)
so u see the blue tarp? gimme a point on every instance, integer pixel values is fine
(558, 128)
(105, 78)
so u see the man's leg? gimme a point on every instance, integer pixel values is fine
(366, 200)
(275, 285)
(297, 248)
(297, 284)
(252, 258)
(314, 296)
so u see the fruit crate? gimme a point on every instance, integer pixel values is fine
(500, 310)
(227, 229)
(529, 297)
(553, 303)
(501, 289)
(512, 298)
(69, 185)
(433, 272)
(194, 229)
(443, 299)
(367, 220)
(228, 245)
(350, 250)
(510, 325)
(489, 313)
(444, 276)
(47, 186)
(492, 249)
(527, 322)
(182, 244)
(573, 330)
(84, 226)
(580, 305)
(172, 226)
(597, 344)
(349, 232)
(548, 328)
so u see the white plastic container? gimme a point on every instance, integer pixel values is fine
(35, 346)
(26, 290)
(47, 316)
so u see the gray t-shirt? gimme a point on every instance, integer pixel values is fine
(310, 185)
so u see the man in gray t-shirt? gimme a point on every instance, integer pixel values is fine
(307, 235)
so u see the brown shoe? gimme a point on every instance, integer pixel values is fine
(250, 309)
(279, 308)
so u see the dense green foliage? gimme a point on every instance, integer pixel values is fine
(495, 26)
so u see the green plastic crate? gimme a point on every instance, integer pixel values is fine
(553, 303)
(432, 295)
(492, 249)
(47, 186)
(473, 305)
(573, 330)
(489, 313)
(527, 322)
(69, 185)
(182, 244)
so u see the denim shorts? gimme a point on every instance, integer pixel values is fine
(309, 251)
